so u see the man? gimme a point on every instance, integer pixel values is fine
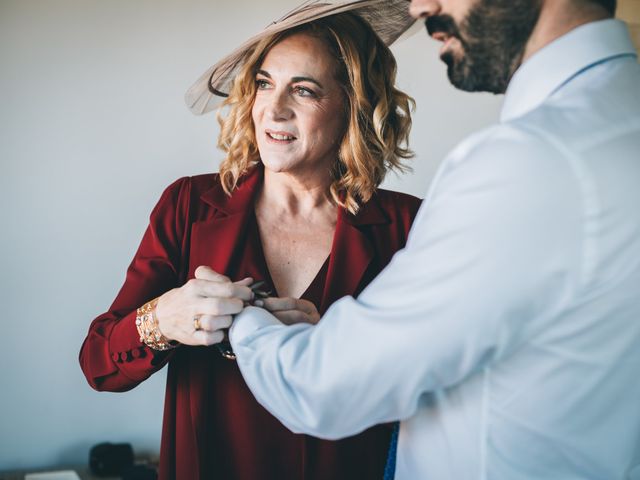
(506, 336)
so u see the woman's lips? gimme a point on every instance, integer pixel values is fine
(279, 136)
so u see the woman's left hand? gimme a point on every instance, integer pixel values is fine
(290, 310)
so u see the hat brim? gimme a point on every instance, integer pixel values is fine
(388, 18)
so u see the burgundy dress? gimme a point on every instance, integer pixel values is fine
(213, 428)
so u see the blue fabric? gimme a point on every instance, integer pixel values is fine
(390, 467)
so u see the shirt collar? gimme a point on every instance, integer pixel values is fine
(555, 64)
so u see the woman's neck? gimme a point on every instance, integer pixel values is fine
(289, 195)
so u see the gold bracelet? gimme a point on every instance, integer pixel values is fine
(149, 329)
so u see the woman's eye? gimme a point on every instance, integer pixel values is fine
(262, 84)
(304, 91)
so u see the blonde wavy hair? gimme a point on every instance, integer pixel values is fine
(378, 114)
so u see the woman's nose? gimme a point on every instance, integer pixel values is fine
(278, 107)
(424, 8)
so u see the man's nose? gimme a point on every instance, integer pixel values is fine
(424, 8)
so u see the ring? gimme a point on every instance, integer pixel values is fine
(196, 323)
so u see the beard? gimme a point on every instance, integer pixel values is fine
(493, 37)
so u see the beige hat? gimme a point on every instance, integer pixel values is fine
(629, 11)
(388, 18)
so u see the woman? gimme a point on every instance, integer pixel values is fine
(314, 122)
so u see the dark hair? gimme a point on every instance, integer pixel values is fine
(608, 5)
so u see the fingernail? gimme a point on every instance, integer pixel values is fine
(259, 303)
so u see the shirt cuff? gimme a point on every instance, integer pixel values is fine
(250, 320)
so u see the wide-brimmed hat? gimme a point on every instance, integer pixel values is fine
(388, 18)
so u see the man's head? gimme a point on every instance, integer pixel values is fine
(608, 5)
(484, 41)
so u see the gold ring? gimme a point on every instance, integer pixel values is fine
(196, 323)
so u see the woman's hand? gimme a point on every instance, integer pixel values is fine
(197, 312)
(290, 310)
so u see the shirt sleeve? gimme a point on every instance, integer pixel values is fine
(487, 263)
(112, 356)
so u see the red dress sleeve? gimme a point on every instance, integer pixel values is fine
(112, 357)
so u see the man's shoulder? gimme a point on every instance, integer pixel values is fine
(594, 108)
(503, 145)
(503, 162)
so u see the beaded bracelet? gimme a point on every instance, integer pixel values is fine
(149, 329)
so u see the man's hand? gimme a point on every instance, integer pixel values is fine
(290, 310)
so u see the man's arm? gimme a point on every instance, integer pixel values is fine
(485, 266)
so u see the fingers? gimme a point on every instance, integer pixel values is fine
(209, 288)
(207, 273)
(275, 304)
(195, 313)
(290, 317)
(211, 323)
(290, 310)
(203, 337)
(216, 306)
(245, 282)
(205, 330)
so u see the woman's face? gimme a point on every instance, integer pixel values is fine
(298, 111)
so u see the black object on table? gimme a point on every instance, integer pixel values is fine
(110, 458)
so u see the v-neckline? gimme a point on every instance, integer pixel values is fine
(320, 275)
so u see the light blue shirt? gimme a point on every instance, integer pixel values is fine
(506, 335)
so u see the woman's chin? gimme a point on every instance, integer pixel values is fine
(277, 167)
(274, 168)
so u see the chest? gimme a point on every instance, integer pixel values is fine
(294, 252)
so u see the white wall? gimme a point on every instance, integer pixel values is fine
(92, 128)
